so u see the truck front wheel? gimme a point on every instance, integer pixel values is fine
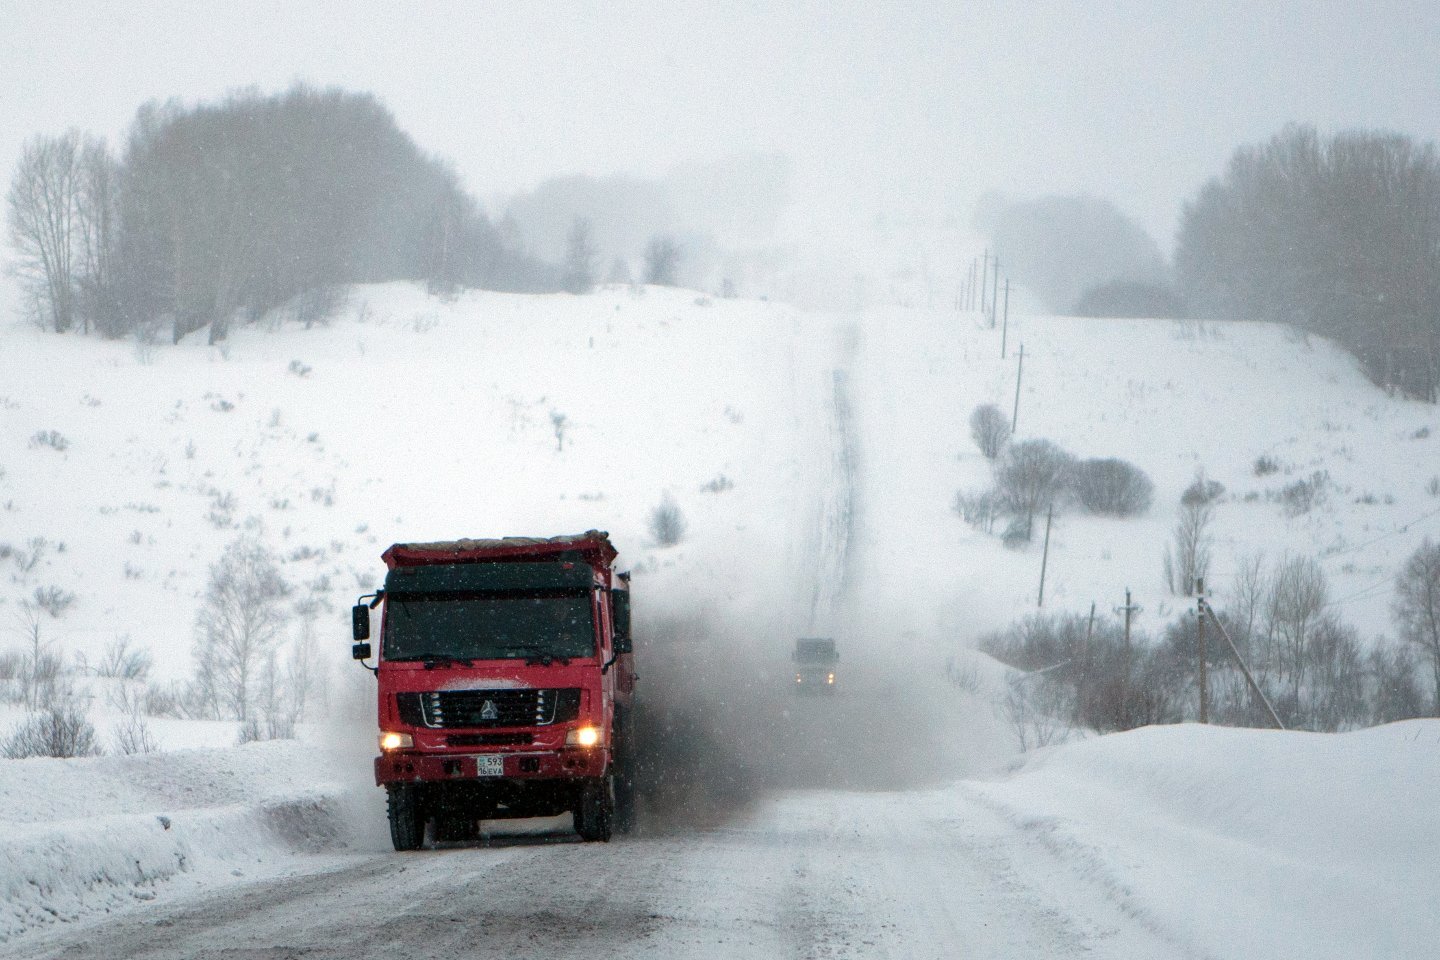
(407, 816)
(595, 810)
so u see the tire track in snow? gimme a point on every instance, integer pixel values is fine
(838, 509)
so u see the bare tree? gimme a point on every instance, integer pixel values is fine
(1417, 605)
(1187, 558)
(95, 223)
(1248, 593)
(1030, 476)
(662, 261)
(239, 625)
(1298, 594)
(580, 254)
(989, 429)
(42, 215)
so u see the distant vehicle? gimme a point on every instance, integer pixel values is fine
(505, 685)
(815, 659)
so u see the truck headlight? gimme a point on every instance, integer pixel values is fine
(830, 678)
(582, 737)
(395, 741)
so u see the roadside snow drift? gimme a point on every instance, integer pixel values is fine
(1250, 843)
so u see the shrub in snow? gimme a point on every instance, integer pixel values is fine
(719, 484)
(49, 438)
(1302, 496)
(121, 661)
(989, 429)
(1031, 475)
(980, 510)
(60, 730)
(1266, 465)
(53, 600)
(667, 523)
(1202, 490)
(1111, 487)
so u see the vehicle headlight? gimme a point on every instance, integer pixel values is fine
(582, 737)
(395, 741)
(830, 678)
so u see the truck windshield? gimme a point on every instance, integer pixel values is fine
(488, 626)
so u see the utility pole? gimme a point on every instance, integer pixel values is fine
(995, 293)
(1200, 633)
(1244, 667)
(1128, 610)
(1019, 370)
(970, 288)
(1081, 692)
(1005, 325)
(984, 277)
(1045, 556)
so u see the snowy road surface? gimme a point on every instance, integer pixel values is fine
(803, 874)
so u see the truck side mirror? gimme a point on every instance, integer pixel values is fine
(620, 618)
(360, 651)
(360, 622)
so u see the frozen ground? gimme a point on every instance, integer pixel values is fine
(841, 440)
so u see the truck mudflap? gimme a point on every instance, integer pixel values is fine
(535, 765)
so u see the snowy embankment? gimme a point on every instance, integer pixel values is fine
(1249, 843)
(88, 836)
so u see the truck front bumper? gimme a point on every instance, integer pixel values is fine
(417, 767)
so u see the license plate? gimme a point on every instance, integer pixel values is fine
(490, 766)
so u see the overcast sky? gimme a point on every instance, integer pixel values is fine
(901, 107)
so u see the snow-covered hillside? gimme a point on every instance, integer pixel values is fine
(408, 418)
(815, 458)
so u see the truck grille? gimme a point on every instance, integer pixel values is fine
(448, 709)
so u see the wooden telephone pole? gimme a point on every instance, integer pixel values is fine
(1200, 636)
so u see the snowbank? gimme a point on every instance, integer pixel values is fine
(80, 837)
(1250, 843)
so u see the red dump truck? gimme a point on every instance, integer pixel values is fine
(506, 685)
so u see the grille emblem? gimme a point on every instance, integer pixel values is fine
(488, 711)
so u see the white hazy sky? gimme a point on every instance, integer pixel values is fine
(906, 107)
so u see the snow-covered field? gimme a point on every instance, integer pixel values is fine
(815, 458)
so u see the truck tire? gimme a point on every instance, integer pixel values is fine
(595, 810)
(407, 816)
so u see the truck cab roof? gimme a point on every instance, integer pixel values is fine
(592, 546)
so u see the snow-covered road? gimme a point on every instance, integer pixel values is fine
(801, 874)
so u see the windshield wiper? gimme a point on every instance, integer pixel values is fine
(434, 659)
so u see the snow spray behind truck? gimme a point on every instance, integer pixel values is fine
(506, 685)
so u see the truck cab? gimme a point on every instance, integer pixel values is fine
(505, 685)
(815, 659)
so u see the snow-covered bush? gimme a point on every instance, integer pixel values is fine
(989, 429)
(980, 509)
(1300, 497)
(53, 439)
(61, 730)
(53, 600)
(667, 523)
(1031, 475)
(1202, 490)
(1111, 487)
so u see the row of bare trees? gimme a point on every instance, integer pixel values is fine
(1338, 235)
(230, 209)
